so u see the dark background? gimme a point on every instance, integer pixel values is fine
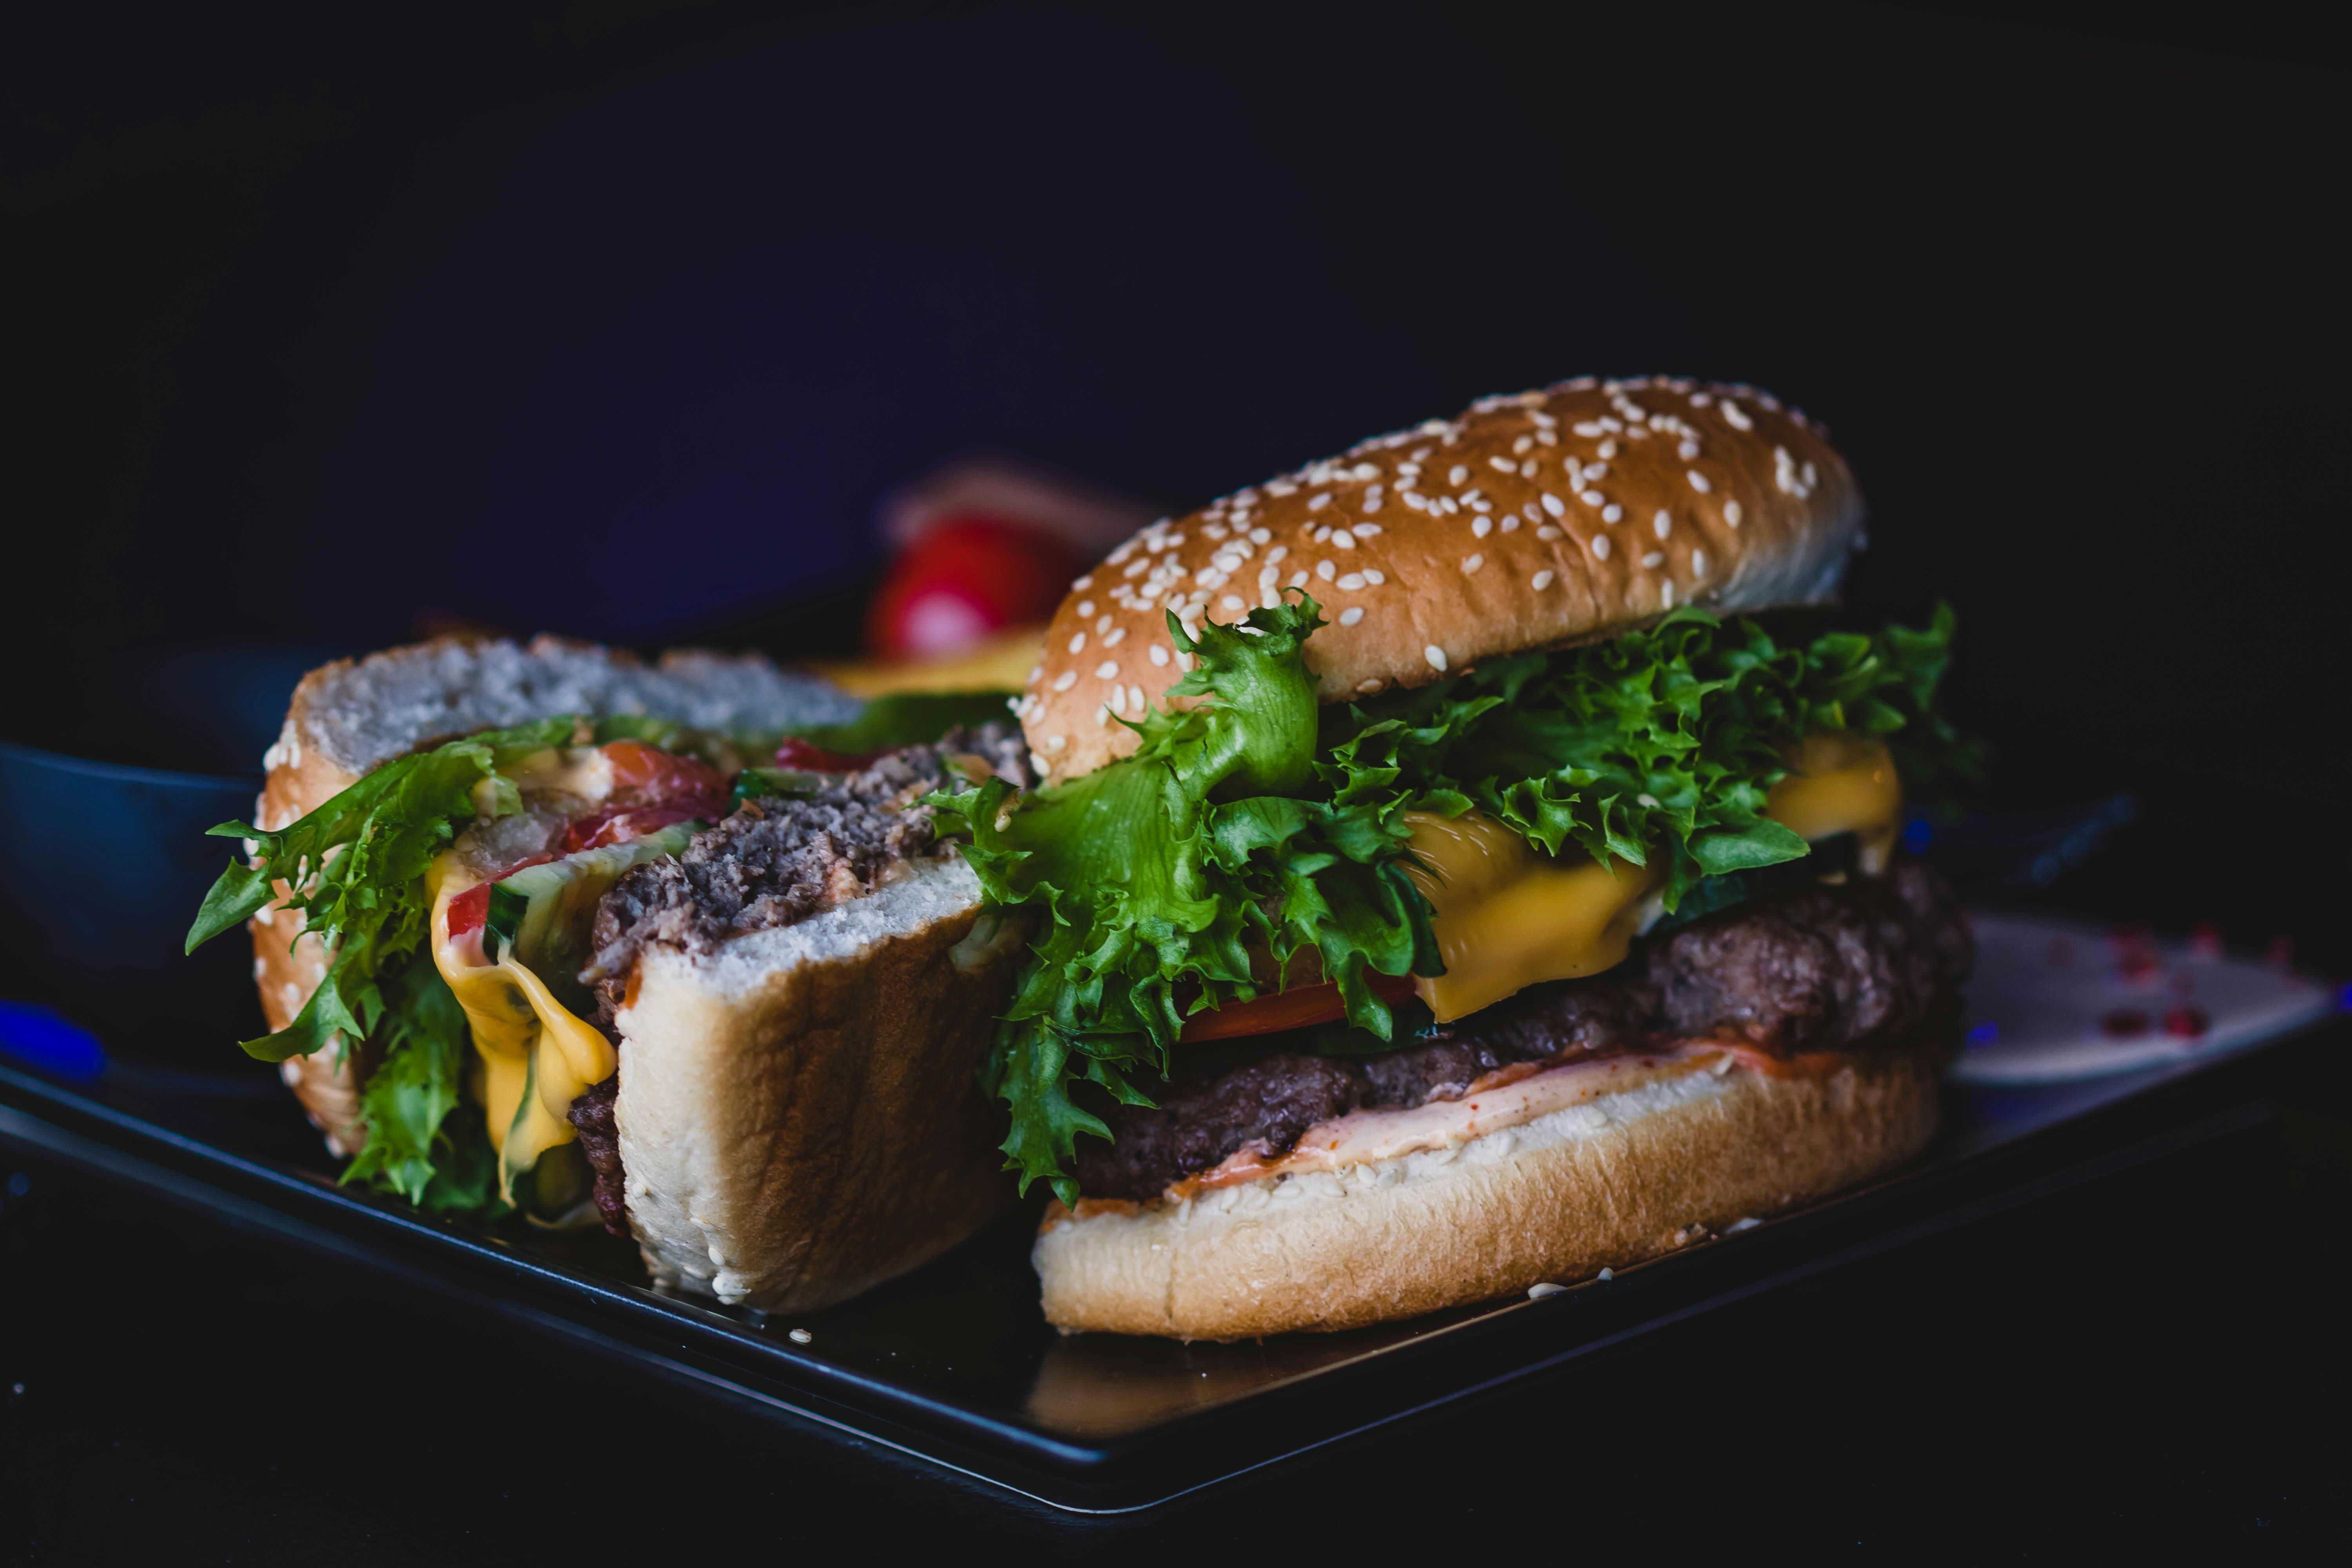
(617, 320)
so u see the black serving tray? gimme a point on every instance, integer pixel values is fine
(954, 1365)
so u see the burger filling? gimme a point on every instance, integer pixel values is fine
(1276, 912)
(483, 902)
(1868, 963)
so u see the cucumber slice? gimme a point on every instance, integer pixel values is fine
(542, 915)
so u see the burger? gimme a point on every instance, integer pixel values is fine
(1469, 862)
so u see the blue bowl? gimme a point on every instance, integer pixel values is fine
(101, 869)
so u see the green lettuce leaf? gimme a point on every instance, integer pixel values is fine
(1155, 875)
(356, 867)
(1261, 819)
(907, 719)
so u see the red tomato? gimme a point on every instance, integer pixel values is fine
(799, 753)
(967, 576)
(469, 908)
(1292, 1009)
(646, 775)
(619, 827)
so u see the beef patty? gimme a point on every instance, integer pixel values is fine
(778, 860)
(1872, 962)
(775, 862)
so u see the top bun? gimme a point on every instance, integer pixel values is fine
(1537, 521)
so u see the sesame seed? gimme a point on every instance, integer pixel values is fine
(1078, 643)
(1083, 583)
(1102, 717)
(1065, 680)
(1731, 513)
(1325, 570)
(1316, 503)
(1547, 532)
(1351, 614)
(1541, 580)
(1233, 602)
(1504, 464)
(1454, 476)
(1373, 577)
(1699, 562)
(1510, 522)
(1687, 450)
(1085, 608)
(1653, 560)
(1667, 594)
(1586, 428)
(1342, 539)
(1436, 655)
(1115, 636)
(1353, 581)
(1593, 498)
(1479, 527)
(1035, 672)
(1594, 472)
(1268, 576)
(1157, 653)
(1554, 505)
(1260, 535)
(1647, 799)
(1137, 567)
(1276, 554)
(1737, 416)
(1366, 530)
(1471, 564)
(1106, 669)
(1298, 579)
(1135, 699)
(1664, 524)
(1370, 504)
(1600, 547)
(1698, 483)
(1607, 448)
(1363, 686)
(1103, 625)
(1611, 513)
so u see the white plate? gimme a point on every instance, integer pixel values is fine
(2056, 1001)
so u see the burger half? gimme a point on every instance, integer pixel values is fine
(1463, 864)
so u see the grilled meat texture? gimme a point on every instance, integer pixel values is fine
(1875, 960)
(780, 860)
(600, 1139)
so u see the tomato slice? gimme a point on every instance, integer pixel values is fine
(469, 908)
(1292, 1009)
(798, 754)
(620, 826)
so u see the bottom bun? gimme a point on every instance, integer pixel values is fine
(1600, 1185)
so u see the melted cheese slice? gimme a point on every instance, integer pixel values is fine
(1509, 916)
(1841, 783)
(538, 1056)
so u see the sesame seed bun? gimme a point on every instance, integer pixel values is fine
(1535, 520)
